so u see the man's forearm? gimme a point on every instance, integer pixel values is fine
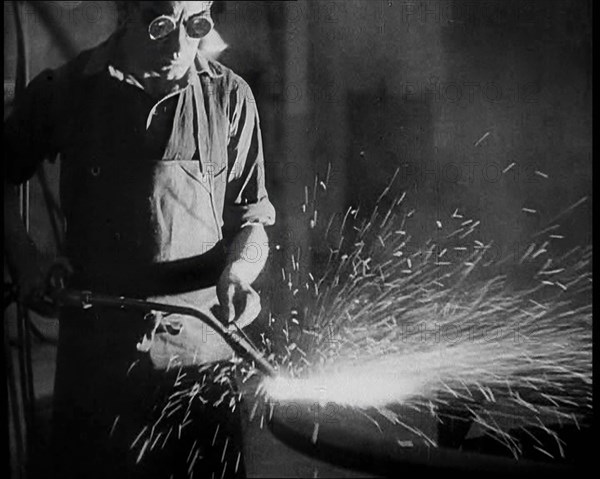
(248, 252)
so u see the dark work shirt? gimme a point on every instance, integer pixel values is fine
(205, 138)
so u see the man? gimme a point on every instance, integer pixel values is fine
(162, 187)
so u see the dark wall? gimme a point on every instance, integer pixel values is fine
(452, 93)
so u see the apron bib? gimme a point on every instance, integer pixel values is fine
(148, 227)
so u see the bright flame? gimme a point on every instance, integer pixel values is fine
(370, 385)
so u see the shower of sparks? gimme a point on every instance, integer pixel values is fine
(176, 423)
(443, 324)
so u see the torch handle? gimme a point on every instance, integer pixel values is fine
(87, 299)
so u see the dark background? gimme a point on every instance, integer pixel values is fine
(448, 93)
(373, 86)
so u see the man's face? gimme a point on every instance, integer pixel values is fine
(170, 56)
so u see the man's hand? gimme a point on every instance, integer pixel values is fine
(240, 303)
(29, 269)
(35, 278)
(31, 279)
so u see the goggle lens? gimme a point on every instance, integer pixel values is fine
(198, 27)
(161, 27)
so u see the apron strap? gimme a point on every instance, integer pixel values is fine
(204, 137)
(202, 127)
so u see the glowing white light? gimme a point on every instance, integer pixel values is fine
(370, 385)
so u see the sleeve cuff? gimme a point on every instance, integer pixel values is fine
(238, 216)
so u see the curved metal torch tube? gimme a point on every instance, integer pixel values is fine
(87, 299)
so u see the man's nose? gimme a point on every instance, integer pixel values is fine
(176, 40)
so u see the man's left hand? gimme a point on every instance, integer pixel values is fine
(240, 303)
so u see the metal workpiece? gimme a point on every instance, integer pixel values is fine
(349, 437)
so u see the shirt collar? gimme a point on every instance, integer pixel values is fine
(102, 56)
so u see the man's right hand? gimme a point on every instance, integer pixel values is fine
(28, 269)
(36, 277)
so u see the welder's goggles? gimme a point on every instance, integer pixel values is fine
(197, 26)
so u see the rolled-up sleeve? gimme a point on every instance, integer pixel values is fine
(29, 130)
(246, 197)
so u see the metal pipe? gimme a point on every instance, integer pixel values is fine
(26, 368)
(29, 371)
(13, 406)
(87, 299)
